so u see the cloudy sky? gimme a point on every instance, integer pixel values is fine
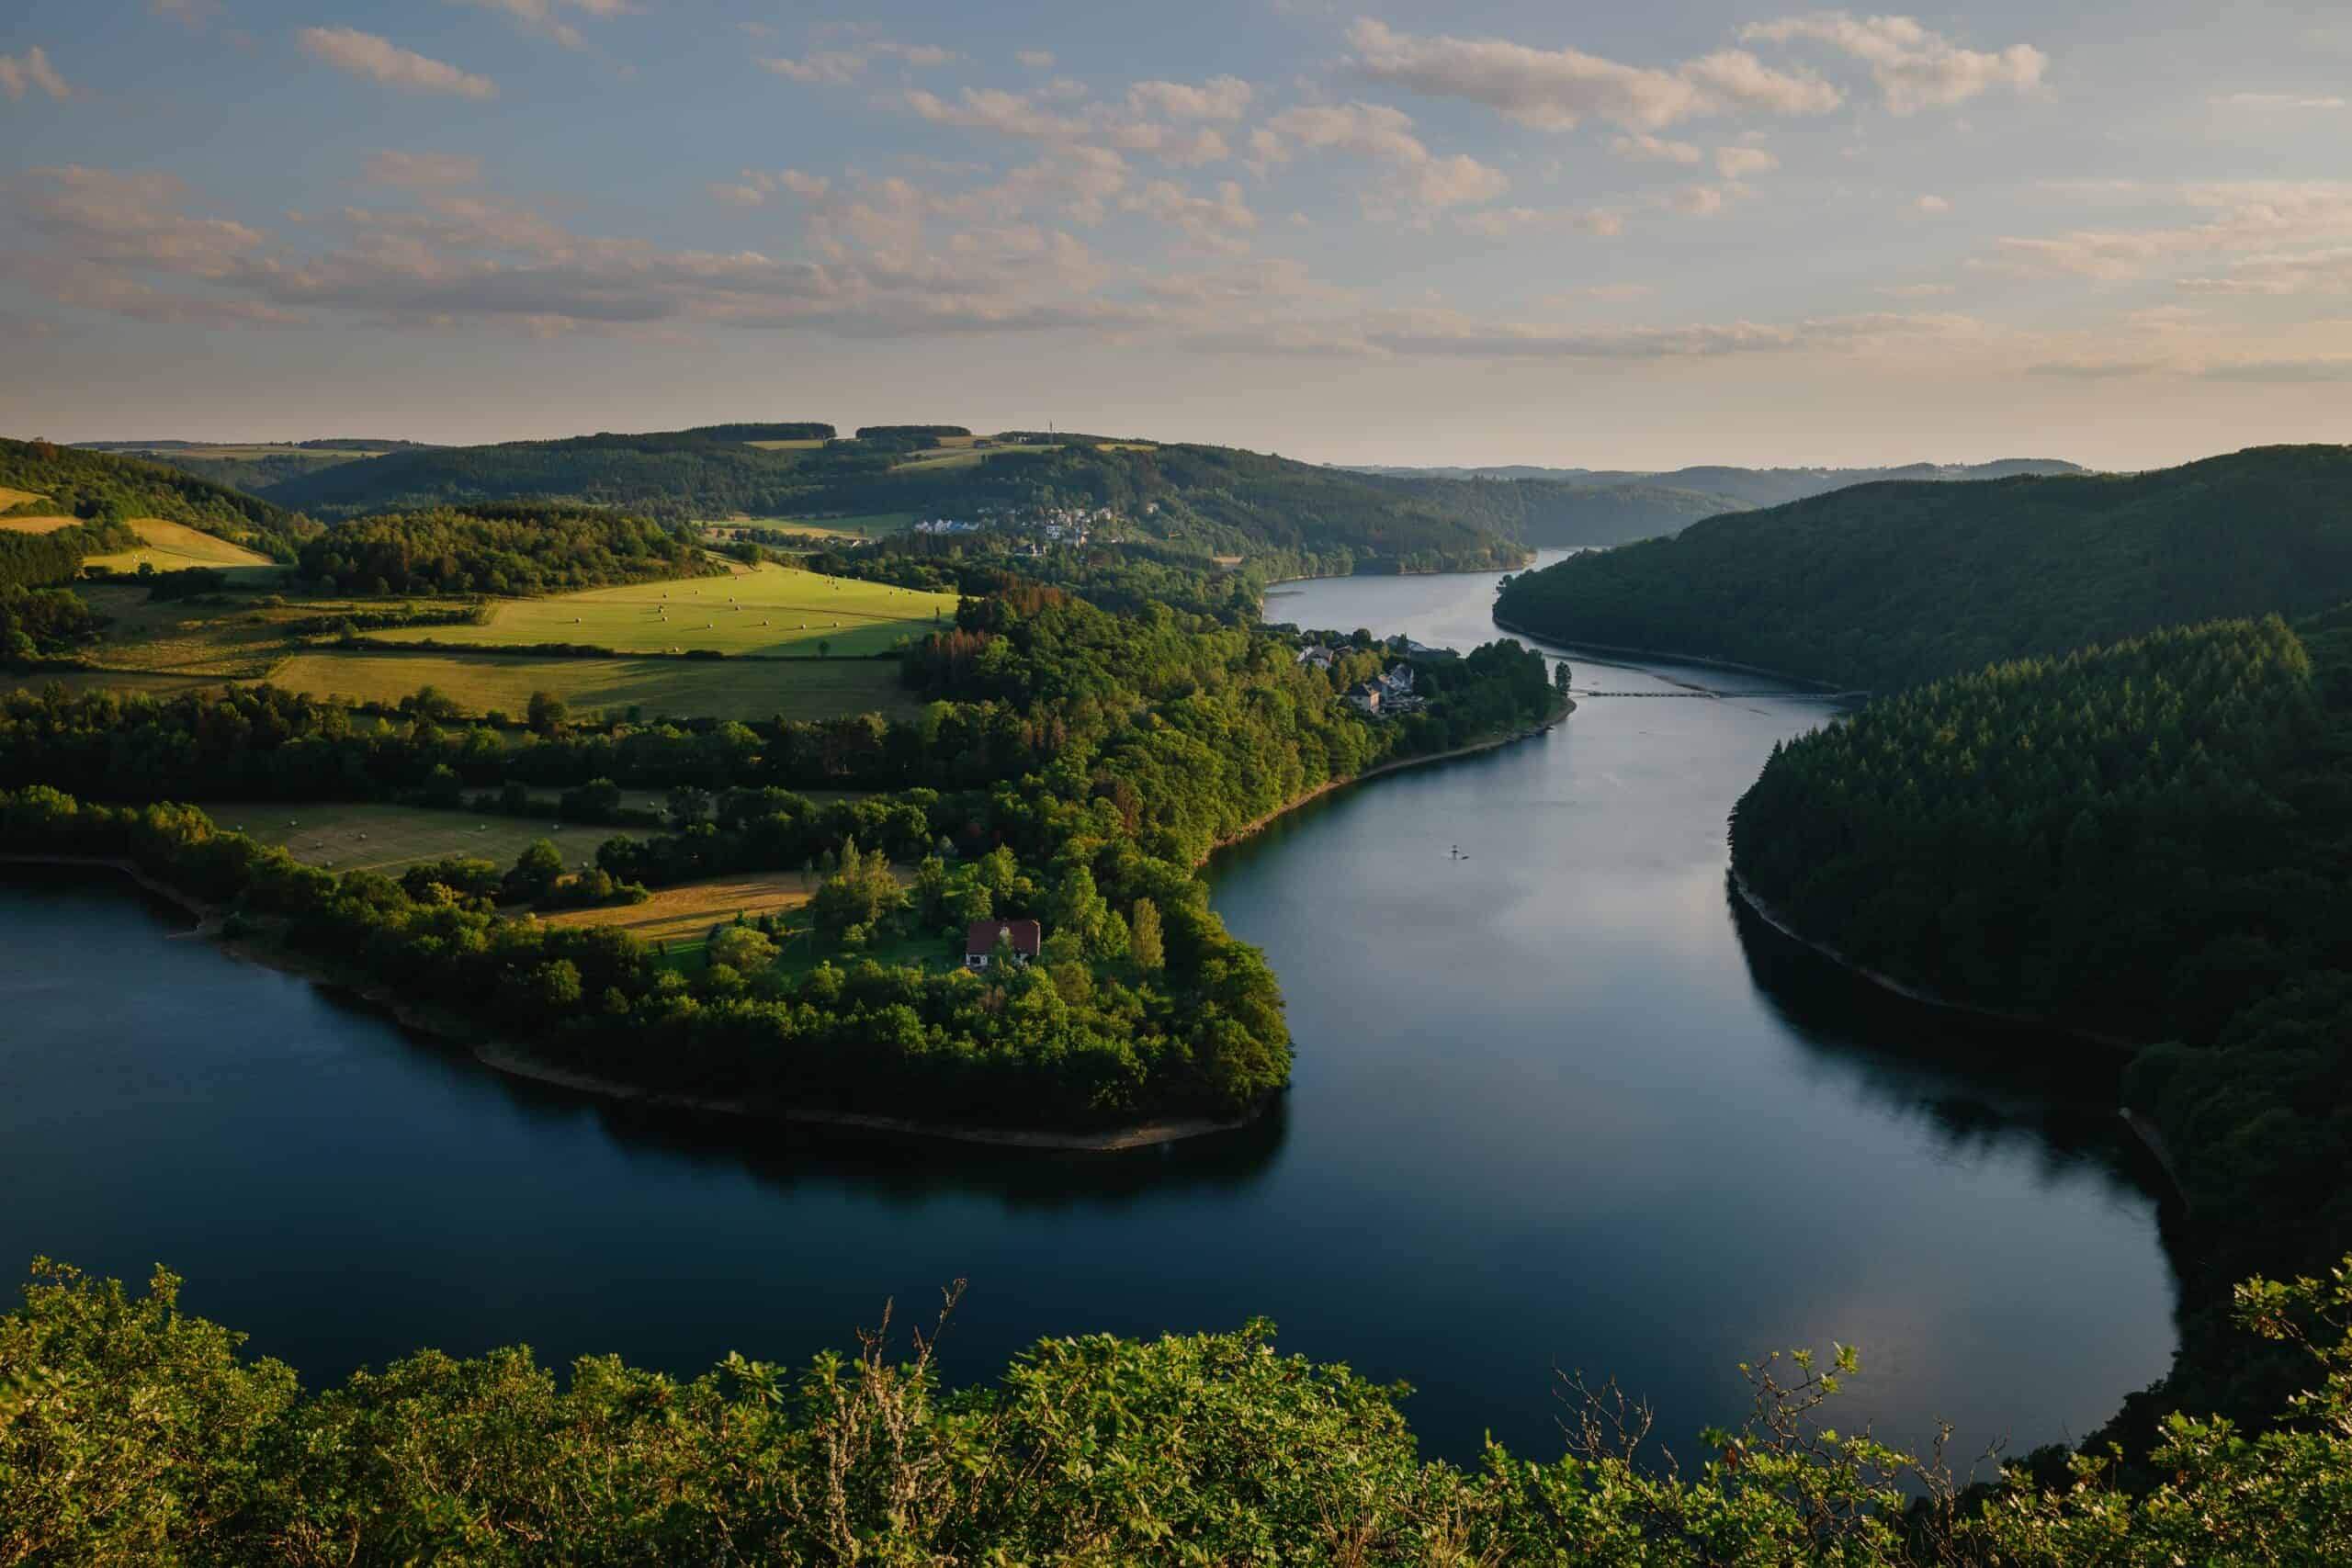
(1478, 232)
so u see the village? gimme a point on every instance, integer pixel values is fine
(1041, 526)
(1385, 694)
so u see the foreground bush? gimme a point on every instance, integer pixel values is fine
(133, 1433)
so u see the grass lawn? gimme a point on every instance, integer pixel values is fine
(721, 530)
(680, 918)
(774, 610)
(155, 682)
(360, 836)
(173, 546)
(180, 636)
(678, 688)
(938, 458)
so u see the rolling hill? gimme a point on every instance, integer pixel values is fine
(1611, 506)
(99, 488)
(1887, 584)
(1209, 498)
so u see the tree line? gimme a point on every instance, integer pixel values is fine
(508, 549)
(1887, 585)
(2151, 840)
(132, 1431)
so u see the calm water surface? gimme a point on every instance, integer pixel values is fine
(1556, 1103)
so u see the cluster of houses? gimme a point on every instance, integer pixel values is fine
(1053, 524)
(1391, 692)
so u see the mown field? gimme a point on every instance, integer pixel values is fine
(31, 525)
(676, 688)
(349, 836)
(773, 610)
(12, 499)
(174, 546)
(681, 918)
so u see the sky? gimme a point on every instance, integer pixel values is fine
(1481, 231)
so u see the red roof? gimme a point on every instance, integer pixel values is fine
(983, 936)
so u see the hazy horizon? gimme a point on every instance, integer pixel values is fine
(1469, 234)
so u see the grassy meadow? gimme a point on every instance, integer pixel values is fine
(772, 610)
(681, 918)
(677, 688)
(33, 525)
(364, 836)
(174, 546)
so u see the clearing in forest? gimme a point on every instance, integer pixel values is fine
(674, 688)
(774, 610)
(367, 836)
(174, 546)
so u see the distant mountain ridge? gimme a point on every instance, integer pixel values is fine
(1210, 500)
(1611, 506)
(1895, 583)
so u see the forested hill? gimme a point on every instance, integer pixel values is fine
(1212, 499)
(99, 487)
(1885, 585)
(2153, 840)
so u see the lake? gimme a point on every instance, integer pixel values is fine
(1556, 1103)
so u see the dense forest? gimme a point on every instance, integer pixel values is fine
(99, 487)
(1074, 765)
(515, 549)
(132, 1431)
(1210, 499)
(1886, 585)
(2151, 841)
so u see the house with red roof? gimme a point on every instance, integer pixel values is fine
(1009, 941)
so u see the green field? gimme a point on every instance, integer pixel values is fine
(677, 688)
(174, 546)
(785, 446)
(361, 836)
(774, 610)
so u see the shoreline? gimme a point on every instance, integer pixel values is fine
(506, 1057)
(2142, 1126)
(1273, 582)
(1250, 829)
(1669, 657)
(1886, 982)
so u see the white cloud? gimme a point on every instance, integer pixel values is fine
(1507, 222)
(1020, 116)
(1218, 224)
(2251, 219)
(1914, 290)
(1697, 201)
(539, 16)
(418, 171)
(380, 60)
(1932, 204)
(1036, 59)
(1218, 98)
(1739, 162)
(2281, 273)
(1415, 176)
(826, 67)
(1915, 68)
(1651, 149)
(2282, 371)
(2279, 101)
(758, 185)
(1557, 89)
(31, 69)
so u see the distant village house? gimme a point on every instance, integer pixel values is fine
(1014, 941)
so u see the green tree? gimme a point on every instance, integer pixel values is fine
(546, 713)
(1143, 938)
(535, 873)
